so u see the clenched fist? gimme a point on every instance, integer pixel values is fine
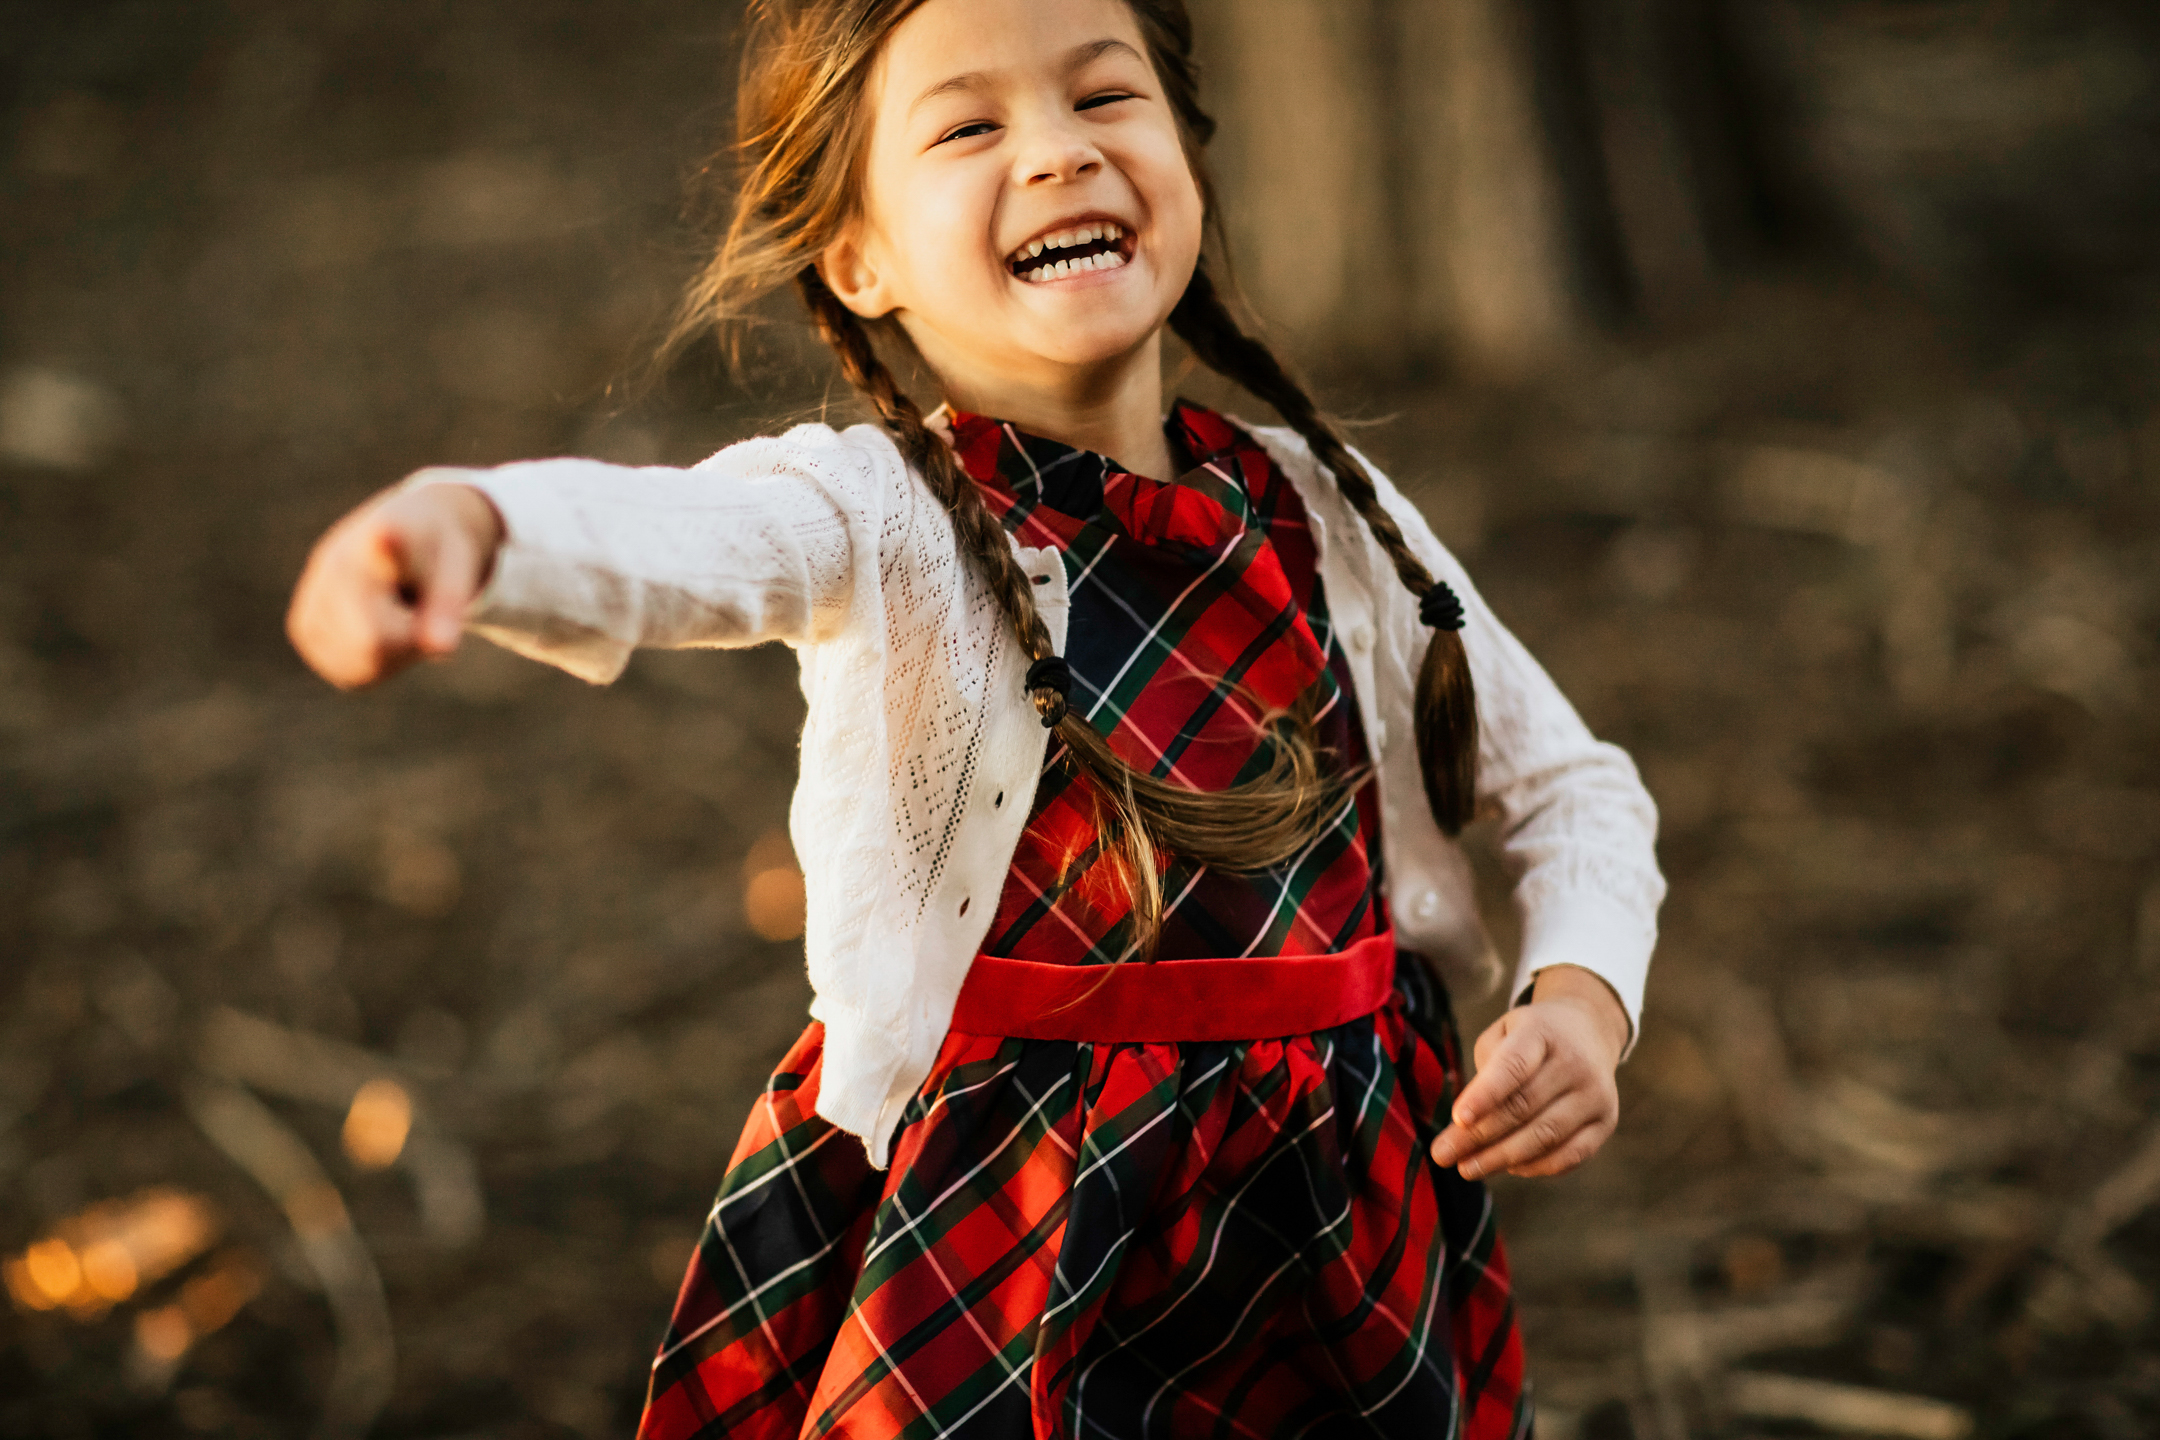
(391, 582)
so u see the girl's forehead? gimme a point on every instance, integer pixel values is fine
(948, 47)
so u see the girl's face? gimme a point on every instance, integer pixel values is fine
(1029, 213)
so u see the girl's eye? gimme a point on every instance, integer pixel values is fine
(967, 131)
(1096, 102)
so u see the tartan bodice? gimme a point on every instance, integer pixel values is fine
(1196, 608)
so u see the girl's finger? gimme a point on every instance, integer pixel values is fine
(1548, 1132)
(392, 633)
(1570, 1152)
(1490, 1038)
(447, 591)
(1502, 1072)
(1579, 1148)
(338, 618)
(1547, 1082)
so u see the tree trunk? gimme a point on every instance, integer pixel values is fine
(1481, 196)
(1388, 180)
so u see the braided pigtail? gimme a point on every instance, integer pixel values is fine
(1445, 709)
(1255, 825)
(977, 529)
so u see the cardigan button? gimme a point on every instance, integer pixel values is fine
(1379, 733)
(1427, 906)
(1361, 637)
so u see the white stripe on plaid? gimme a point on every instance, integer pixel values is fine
(873, 1252)
(756, 1291)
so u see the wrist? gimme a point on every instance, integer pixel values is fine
(480, 520)
(1593, 995)
(432, 496)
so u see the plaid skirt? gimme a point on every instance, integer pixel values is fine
(1116, 1240)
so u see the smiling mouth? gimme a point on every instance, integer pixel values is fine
(1075, 250)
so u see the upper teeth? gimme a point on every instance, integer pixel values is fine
(1066, 239)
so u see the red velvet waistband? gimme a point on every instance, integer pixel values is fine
(1237, 999)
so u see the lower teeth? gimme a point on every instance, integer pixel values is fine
(1061, 269)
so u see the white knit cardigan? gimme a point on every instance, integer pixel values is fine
(920, 750)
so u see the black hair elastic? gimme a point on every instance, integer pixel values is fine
(1049, 680)
(1440, 608)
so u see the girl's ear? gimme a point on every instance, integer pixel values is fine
(847, 270)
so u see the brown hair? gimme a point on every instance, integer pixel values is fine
(801, 133)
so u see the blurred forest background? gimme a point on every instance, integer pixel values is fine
(1784, 368)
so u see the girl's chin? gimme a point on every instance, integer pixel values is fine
(1091, 346)
(1089, 329)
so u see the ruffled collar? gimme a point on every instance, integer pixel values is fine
(1208, 507)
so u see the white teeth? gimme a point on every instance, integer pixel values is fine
(1073, 265)
(1066, 239)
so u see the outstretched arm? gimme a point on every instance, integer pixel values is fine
(577, 563)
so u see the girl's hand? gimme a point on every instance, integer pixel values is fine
(1544, 1098)
(391, 582)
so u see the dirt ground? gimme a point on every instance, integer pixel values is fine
(1870, 588)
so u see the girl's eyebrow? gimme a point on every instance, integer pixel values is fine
(1080, 57)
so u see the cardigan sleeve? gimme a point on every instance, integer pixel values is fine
(1577, 828)
(767, 540)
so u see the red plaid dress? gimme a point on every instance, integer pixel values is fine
(1130, 1240)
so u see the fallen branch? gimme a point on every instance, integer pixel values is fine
(280, 1161)
(1850, 1409)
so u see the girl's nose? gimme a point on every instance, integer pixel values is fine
(1069, 166)
(1055, 153)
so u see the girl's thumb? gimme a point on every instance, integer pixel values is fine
(448, 594)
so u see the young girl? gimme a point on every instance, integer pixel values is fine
(1130, 1106)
